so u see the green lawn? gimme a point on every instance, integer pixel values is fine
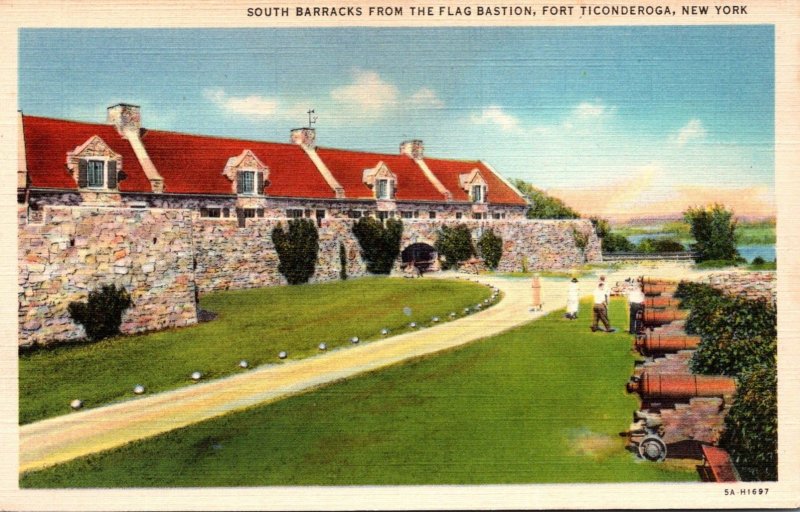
(542, 403)
(252, 324)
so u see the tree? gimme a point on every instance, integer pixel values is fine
(380, 245)
(455, 244)
(544, 206)
(714, 230)
(491, 248)
(297, 250)
(610, 241)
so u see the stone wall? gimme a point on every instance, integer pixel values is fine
(162, 255)
(754, 285)
(231, 257)
(529, 244)
(79, 249)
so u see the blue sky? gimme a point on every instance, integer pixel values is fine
(613, 119)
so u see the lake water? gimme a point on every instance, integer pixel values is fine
(748, 252)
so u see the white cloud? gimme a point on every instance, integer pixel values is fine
(497, 116)
(426, 98)
(591, 110)
(368, 92)
(694, 130)
(253, 106)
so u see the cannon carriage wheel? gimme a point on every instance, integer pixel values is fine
(653, 448)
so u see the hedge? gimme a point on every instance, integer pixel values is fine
(380, 244)
(455, 244)
(101, 314)
(491, 248)
(297, 250)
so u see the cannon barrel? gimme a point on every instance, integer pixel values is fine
(677, 386)
(654, 289)
(652, 342)
(657, 280)
(660, 301)
(657, 317)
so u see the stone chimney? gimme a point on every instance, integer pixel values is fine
(304, 137)
(413, 148)
(125, 117)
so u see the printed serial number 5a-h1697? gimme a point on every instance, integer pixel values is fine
(747, 491)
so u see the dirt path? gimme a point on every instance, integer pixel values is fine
(63, 438)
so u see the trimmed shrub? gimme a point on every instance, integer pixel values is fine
(342, 262)
(297, 250)
(751, 427)
(491, 248)
(101, 314)
(455, 244)
(380, 244)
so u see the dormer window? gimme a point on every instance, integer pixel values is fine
(248, 175)
(474, 185)
(381, 180)
(94, 165)
(97, 173)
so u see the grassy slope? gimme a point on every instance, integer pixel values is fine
(542, 403)
(252, 324)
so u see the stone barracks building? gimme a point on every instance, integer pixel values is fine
(169, 215)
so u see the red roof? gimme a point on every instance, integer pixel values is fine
(47, 142)
(348, 169)
(194, 164)
(448, 172)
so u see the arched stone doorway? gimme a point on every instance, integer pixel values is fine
(422, 256)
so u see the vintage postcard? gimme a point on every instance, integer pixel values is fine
(399, 255)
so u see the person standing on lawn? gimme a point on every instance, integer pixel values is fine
(635, 304)
(600, 308)
(536, 289)
(572, 299)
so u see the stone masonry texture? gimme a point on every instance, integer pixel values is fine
(163, 256)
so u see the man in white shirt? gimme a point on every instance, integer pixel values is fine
(636, 304)
(600, 309)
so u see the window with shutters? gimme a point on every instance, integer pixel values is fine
(478, 194)
(293, 213)
(97, 174)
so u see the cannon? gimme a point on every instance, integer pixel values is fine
(660, 343)
(681, 387)
(661, 301)
(646, 436)
(654, 289)
(658, 317)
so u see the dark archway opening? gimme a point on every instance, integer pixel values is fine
(422, 256)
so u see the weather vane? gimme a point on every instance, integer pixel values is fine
(311, 119)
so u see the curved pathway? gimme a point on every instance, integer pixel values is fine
(63, 438)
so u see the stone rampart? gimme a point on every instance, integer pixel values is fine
(162, 255)
(753, 285)
(75, 250)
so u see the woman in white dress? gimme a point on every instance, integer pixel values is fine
(572, 300)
